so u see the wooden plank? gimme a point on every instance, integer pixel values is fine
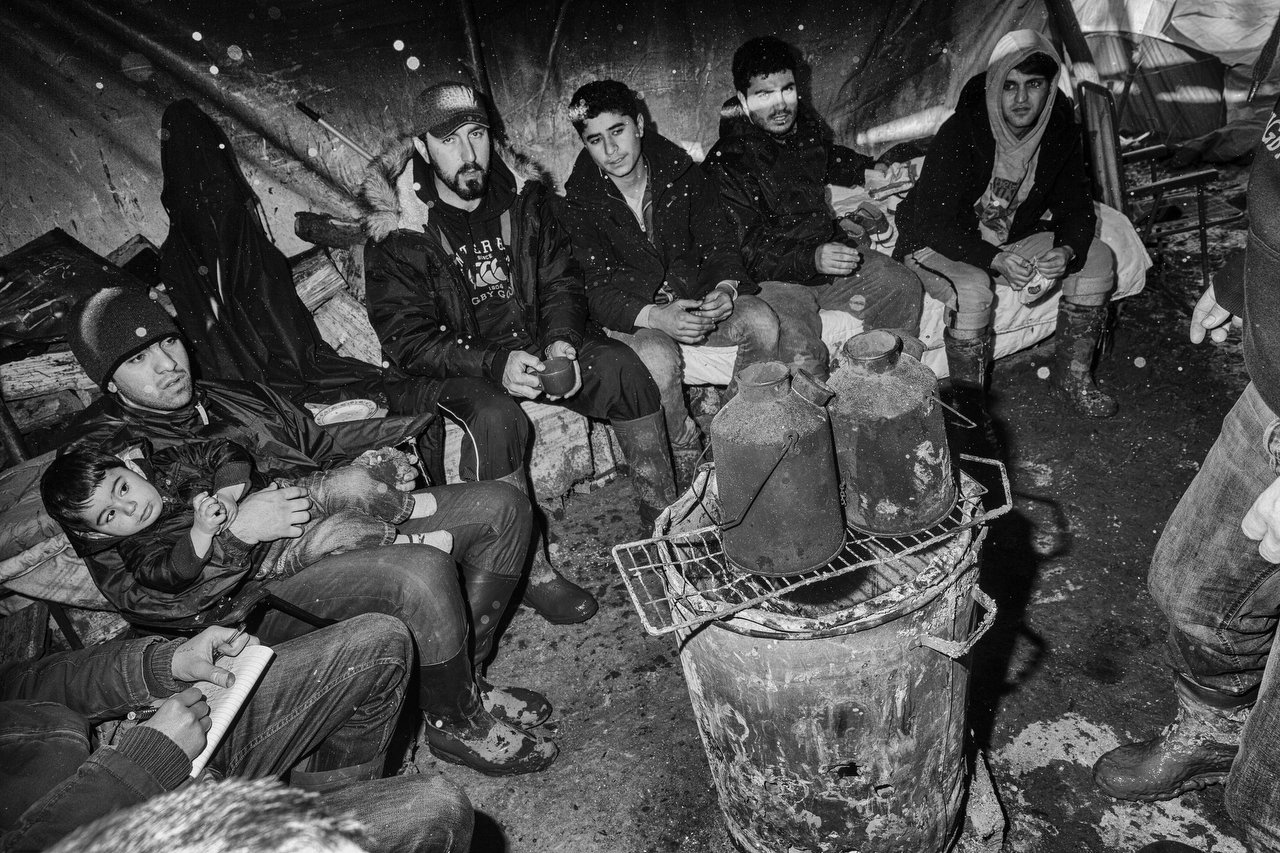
(24, 634)
(42, 374)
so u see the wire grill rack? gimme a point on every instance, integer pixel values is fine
(682, 580)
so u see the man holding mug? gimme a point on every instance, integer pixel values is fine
(474, 292)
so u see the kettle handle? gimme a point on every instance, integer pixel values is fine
(790, 440)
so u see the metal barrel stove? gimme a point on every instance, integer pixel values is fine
(833, 711)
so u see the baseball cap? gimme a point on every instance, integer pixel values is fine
(443, 108)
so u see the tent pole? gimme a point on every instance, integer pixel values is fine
(1068, 28)
(475, 51)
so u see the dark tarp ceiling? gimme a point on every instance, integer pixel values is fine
(86, 81)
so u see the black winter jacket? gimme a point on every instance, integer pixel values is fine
(939, 212)
(774, 190)
(282, 440)
(694, 246)
(419, 302)
(1251, 289)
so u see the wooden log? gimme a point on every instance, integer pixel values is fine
(24, 633)
(45, 411)
(344, 324)
(316, 278)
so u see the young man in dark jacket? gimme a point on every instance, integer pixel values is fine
(130, 347)
(664, 274)
(1213, 574)
(471, 283)
(323, 713)
(772, 163)
(1011, 154)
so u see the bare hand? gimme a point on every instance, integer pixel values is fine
(210, 514)
(272, 513)
(1262, 523)
(717, 305)
(836, 259)
(564, 349)
(194, 659)
(1211, 317)
(518, 378)
(1016, 269)
(1053, 263)
(184, 719)
(678, 321)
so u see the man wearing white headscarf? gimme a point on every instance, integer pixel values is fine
(1004, 195)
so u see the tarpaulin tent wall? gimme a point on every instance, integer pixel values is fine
(85, 82)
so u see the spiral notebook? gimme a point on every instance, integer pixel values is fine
(225, 702)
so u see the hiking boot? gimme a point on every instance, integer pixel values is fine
(1079, 330)
(518, 706)
(461, 731)
(1194, 751)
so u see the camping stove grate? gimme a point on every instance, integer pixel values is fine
(682, 579)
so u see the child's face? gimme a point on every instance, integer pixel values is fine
(122, 504)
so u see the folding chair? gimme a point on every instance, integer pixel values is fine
(1160, 209)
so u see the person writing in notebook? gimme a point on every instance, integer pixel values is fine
(323, 713)
(169, 512)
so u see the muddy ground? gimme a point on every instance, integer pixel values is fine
(1073, 666)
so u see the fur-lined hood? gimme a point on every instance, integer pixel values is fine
(390, 202)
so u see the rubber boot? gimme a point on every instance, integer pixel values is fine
(487, 597)
(1194, 751)
(550, 594)
(1079, 330)
(459, 729)
(968, 362)
(644, 446)
(685, 461)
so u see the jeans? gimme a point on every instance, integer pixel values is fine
(969, 291)
(327, 704)
(882, 293)
(491, 524)
(351, 507)
(752, 328)
(1221, 599)
(616, 386)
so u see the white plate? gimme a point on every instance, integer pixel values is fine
(347, 410)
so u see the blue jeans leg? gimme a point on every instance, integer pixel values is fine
(660, 355)
(800, 345)
(882, 293)
(1219, 596)
(330, 698)
(753, 329)
(408, 814)
(1253, 787)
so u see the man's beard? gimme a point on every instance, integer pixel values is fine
(468, 183)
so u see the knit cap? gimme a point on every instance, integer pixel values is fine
(443, 108)
(113, 324)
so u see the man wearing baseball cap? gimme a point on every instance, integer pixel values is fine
(471, 283)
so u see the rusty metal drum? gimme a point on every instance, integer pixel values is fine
(844, 731)
(775, 462)
(896, 473)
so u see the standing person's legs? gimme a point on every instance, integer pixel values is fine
(1221, 600)
(882, 293)
(800, 345)
(1253, 786)
(616, 386)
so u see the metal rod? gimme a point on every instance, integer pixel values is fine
(318, 119)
